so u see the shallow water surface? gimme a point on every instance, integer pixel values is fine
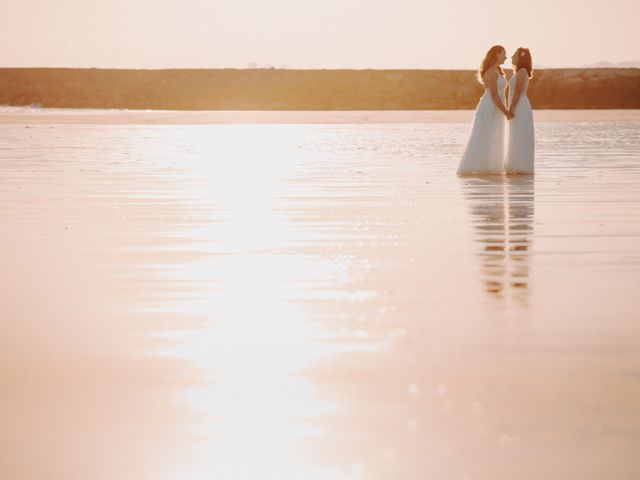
(317, 300)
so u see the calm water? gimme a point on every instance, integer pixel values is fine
(317, 301)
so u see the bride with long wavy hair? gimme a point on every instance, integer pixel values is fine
(521, 145)
(484, 153)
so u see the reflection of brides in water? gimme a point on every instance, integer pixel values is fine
(502, 212)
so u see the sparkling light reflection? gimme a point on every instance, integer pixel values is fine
(257, 338)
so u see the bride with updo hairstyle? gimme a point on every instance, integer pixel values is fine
(484, 153)
(521, 143)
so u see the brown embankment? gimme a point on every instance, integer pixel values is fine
(273, 89)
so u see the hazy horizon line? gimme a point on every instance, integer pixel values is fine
(603, 65)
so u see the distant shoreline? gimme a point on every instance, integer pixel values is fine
(28, 116)
(304, 90)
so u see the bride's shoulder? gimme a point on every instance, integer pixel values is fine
(490, 75)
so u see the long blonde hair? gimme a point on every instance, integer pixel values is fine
(489, 59)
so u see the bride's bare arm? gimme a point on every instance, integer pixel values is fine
(492, 79)
(519, 87)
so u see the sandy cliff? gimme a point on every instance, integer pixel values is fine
(271, 89)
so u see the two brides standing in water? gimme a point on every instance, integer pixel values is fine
(495, 120)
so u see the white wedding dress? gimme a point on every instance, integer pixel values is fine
(485, 147)
(520, 147)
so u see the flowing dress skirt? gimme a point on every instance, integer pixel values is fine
(521, 144)
(485, 149)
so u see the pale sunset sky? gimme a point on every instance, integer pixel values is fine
(318, 34)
